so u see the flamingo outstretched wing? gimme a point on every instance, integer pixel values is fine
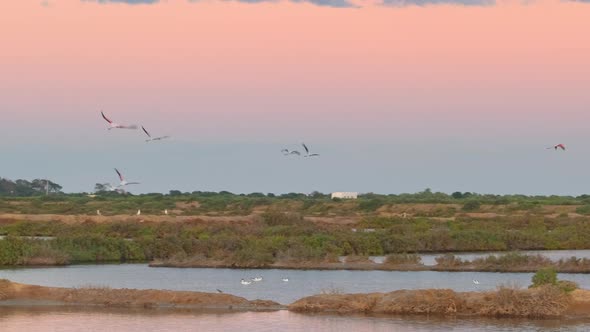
(105, 117)
(146, 132)
(305, 147)
(120, 175)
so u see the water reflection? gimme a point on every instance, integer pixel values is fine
(69, 319)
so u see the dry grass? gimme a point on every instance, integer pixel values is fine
(540, 302)
(402, 259)
(358, 259)
(505, 302)
(105, 296)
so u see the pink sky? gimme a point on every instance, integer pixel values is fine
(276, 63)
(445, 96)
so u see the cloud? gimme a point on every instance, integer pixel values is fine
(129, 2)
(325, 3)
(403, 3)
(330, 3)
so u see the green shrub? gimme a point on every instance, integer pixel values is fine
(567, 286)
(370, 205)
(399, 259)
(584, 209)
(471, 206)
(545, 276)
(448, 260)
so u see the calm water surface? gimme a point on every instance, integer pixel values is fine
(300, 284)
(66, 320)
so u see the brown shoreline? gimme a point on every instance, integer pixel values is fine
(15, 294)
(543, 302)
(362, 266)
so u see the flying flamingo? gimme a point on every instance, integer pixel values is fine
(113, 125)
(123, 182)
(307, 154)
(558, 146)
(155, 138)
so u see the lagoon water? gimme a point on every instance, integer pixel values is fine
(301, 283)
(111, 320)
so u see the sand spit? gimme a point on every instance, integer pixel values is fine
(15, 294)
(546, 302)
(543, 302)
(362, 266)
(357, 266)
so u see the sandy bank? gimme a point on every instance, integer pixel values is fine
(15, 294)
(544, 302)
(360, 266)
(526, 303)
(364, 266)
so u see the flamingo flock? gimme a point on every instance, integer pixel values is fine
(288, 152)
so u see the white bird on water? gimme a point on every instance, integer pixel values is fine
(475, 281)
(257, 279)
(245, 282)
(307, 154)
(285, 279)
(113, 125)
(150, 136)
(123, 182)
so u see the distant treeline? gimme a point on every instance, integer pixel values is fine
(24, 188)
(369, 201)
(22, 196)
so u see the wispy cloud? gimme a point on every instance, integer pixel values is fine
(329, 3)
(130, 2)
(403, 3)
(325, 3)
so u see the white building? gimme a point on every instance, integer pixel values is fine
(345, 195)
